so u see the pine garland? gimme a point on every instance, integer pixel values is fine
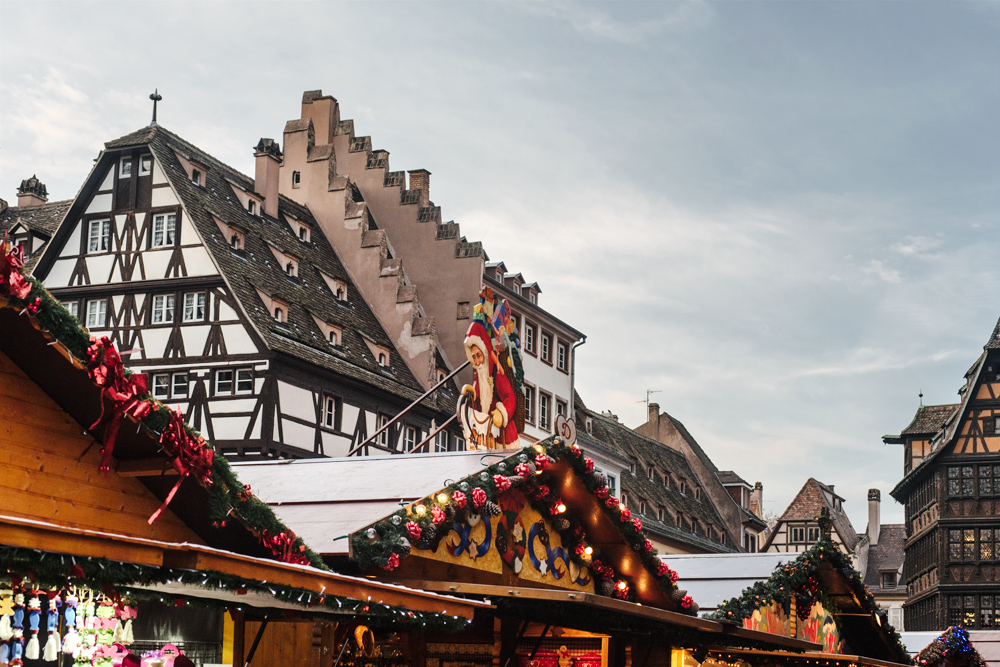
(48, 570)
(954, 640)
(390, 539)
(798, 580)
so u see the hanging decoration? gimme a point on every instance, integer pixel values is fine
(952, 646)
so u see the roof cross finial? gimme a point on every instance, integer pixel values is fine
(921, 397)
(156, 97)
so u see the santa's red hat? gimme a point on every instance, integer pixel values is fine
(476, 336)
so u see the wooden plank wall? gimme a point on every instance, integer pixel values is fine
(45, 478)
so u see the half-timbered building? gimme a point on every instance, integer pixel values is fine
(798, 528)
(32, 222)
(235, 302)
(951, 490)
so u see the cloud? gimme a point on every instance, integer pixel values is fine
(883, 272)
(597, 24)
(918, 246)
(874, 360)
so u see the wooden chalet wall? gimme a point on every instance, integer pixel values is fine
(51, 470)
(249, 400)
(952, 499)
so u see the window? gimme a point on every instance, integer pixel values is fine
(896, 618)
(331, 408)
(813, 533)
(125, 170)
(531, 297)
(441, 441)
(279, 314)
(750, 543)
(236, 241)
(161, 385)
(97, 313)
(180, 385)
(684, 487)
(73, 307)
(561, 357)
(99, 235)
(642, 507)
(459, 443)
(697, 493)
(970, 544)
(543, 411)
(529, 404)
(196, 177)
(547, 348)
(164, 227)
(989, 544)
(412, 437)
(291, 269)
(296, 179)
(334, 337)
(989, 608)
(588, 425)
(962, 610)
(252, 207)
(194, 307)
(624, 499)
(612, 485)
(989, 480)
(382, 359)
(631, 467)
(695, 526)
(680, 520)
(561, 407)
(666, 481)
(244, 381)
(661, 513)
(798, 534)
(888, 580)
(145, 165)
(380, 423)
(304, 233)
(960, 481)
(163, 308)
(223, 382)
(652, 472)
(529, 338)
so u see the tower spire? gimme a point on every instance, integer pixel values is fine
(156, 97)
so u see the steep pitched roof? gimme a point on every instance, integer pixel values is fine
(809, 503)
(886, 555)
(994, 342)
(255, 268)
(42, 220)
(650, 452)
(929, 419)
(730, 477)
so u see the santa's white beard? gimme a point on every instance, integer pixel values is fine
(485, 387)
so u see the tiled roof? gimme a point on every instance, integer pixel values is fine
(255, 268)
(887, 555)
(810, 501)
(730, 477)
(929, 419)
(42, 219)
(994, 342)
(639, 487)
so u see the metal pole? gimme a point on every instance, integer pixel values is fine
(440, 428)
(256, 641)
(407, 409)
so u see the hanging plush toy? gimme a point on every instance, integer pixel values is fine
(51, 651)
(17, 622)
(70, 639)
(32, 650)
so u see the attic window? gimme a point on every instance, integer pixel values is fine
(252, 207)
(296, 179)
(292, 269)
(631, 467)
(304, 233)
(196, 177)
(334, 337)
(382, 359)
(624, 499)
(279, 314)
(236, 241)
(531, 297)
(125, 170)
(684, 487)
(652, 472)
(888, 580)
(145, 165)
(642, 507)
(697, 493)
(680, 520)
(340, 290)
(660, 513)
(441, 375)
(589, 425)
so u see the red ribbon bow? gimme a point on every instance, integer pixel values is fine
(187, 455)
(11, 263)
(282, 545)
(108, 372)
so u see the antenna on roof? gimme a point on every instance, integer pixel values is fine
(921, 396)
(156, 97)
(648, 392)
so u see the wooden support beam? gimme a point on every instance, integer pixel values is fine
(152, 467)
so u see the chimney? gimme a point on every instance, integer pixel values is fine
(265, 181)
(757, 500)
(420, 179)
(32, 192)
(654, 414)
(874, 527)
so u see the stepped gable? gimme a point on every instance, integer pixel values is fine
(810, 501)
(255, 268)
(43, 220)
(646, 451)
(930, 419)
(886, 555)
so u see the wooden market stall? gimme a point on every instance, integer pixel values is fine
(111, 503)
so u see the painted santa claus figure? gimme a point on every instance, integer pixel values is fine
(486, 407)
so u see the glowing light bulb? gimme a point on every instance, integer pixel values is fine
(442, 498)
(560, 508)
(622, 585)
(588, 550)
(421, 510)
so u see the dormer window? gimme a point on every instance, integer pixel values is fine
(291, 269)
(623, 501)
(334, 337)
(125, 170)
(652, 472)
(383, 360)
(196, 177)
(517, 288)
(279, 314)
(684, 487)
(697, 493)
(642, 507)
(145, 165)
(236, 241)
(252, 207)
(531, 297)
(660, 513)
(296, 179)
(303, 233)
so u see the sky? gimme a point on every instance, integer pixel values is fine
(781, 216)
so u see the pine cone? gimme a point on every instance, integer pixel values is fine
(678, 595)
(449, 514)
(405, 547)
(607, 587)
(490, 508)
(599, 478)
(428, 537)
(560, 524)
(516, 480)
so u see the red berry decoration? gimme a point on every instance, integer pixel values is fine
(588, 465)
(674, 577)
(35, 306)
(478, 497)
(647, 546)
(662, 569)
(413, 528)
(459, 498)
(502, 482)
(637, 523)
(687, 602)
(602, 492)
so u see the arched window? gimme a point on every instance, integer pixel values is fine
(381, 359)
(279, 315)
(235, 241)
(333, 338)
(252, 207)
(290, 269)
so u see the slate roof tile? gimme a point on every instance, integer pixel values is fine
(42, 219)
(886, 555)
(810, 501)
(929, 419)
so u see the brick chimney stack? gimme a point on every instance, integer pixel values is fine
(654, 414)
(265, 181)
(420, 179)
(32, 192)
(874, 527)
(757, 500)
